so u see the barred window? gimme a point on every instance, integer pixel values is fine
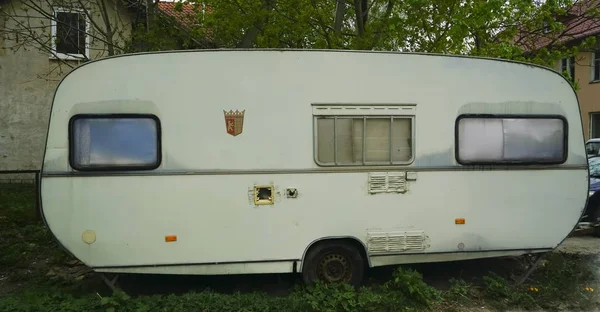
(364, 140)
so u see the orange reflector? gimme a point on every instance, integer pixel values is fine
(459, 221)
(171, 238)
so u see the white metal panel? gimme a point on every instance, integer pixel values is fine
(365, 109)
(213, 215)
(215, 222)
(276, 90)
(212, 269)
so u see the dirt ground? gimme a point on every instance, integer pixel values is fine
(584, 244)
(581, 245)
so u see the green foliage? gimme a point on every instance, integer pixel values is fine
(409, 284)
(405, 292)
(460, 294)
(563, 279)
(340, 297)
(166, 34)
(17, 203)
(117, 300)
(335, 297)
(494, 28)
(560, 282)
(459, 290)
(501, 293)
(47, 300)
(22, 239)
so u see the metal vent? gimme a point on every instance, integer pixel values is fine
(393, 242)
(407, 109)
(389, 182)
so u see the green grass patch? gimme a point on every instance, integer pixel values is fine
(395, 295)
(24, 239)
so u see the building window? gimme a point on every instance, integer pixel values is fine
(114, 143)
(511, 140)
(594, 125)
(69, 34)
(596, 66)
(546, 28)
(568, 65)
(364, 140)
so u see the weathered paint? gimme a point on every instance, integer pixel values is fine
(195, 194)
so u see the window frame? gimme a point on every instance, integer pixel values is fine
(54, 54)
(364, 117)
(513, 162)
(71, 144)
(570, 66)
(595, 64)
(591, 124)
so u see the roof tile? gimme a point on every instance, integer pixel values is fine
(578, 26)
(187, 15)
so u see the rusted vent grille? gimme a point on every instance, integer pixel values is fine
(388, 182)
(391, 242)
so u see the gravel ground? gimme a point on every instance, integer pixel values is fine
(581, 245)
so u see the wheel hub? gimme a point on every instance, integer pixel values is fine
(335, 268)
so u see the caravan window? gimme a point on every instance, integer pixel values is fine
(359, 140)
(503, 140)
(109, 142)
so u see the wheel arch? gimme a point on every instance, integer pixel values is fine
(357, 243)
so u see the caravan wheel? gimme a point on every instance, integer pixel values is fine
(333, 262)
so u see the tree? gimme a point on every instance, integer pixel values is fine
(492, 28)
(169, 28)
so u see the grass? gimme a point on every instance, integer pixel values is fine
(23, 241)
(36, 275)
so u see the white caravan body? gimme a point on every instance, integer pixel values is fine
(163, 162)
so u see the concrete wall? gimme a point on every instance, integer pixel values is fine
(28, 75)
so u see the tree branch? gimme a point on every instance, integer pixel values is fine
(360, 26)
(340, 10)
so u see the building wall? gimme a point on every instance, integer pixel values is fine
(588, 94)
(28, 77)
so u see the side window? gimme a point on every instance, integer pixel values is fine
(129, 142)
(506, 140)
(364, 140)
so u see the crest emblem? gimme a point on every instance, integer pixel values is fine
(234, 121)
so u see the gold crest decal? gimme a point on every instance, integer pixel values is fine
(234, 121)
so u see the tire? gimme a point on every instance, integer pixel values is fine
(333, 262)
(594, 219)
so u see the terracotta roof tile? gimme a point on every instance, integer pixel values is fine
(579, 25)
(188, 14)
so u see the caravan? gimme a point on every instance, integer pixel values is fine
(323, 163)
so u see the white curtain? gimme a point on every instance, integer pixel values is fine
(518, 139)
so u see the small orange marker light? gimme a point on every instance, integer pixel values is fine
(459, 221)
(171, 238)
